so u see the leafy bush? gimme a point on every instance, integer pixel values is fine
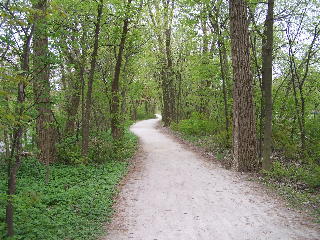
(301, 177)
(223, 139)
(102, 148)
(282, 141)
(69, 151)
(313, 148)
(126, 147)
(196, 125)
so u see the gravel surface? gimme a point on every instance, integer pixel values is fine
(173, 194)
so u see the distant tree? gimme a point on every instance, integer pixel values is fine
(115, 90)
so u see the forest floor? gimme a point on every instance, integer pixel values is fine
(172, 192)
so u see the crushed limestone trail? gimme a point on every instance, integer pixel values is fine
(174, 194)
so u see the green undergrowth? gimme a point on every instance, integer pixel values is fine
(102, 148)
(196, 125)
(300, 185)
(75, 204)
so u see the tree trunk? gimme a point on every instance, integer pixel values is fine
(16, 148)
(267, 49)
(244, 129)
(115, 91)
(223, 59)
(205, 83)
(167, 71)
(169, 77)
(87, 113)
(74, 101)
(46, 132)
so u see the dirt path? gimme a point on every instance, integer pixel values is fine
(175, 195)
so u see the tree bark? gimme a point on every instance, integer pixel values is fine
(115, 87)
(46, 132)
(267, 49)
(167, 71)
(244, 129)
(87, 113)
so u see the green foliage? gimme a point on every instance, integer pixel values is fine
(142, 114)
(117, 150)
(300, 177)
(196, 125)
(284, 142)
(223, 139)
(313, 151)
(69, 151)
(102, 148)
(77, 200)
(299, 184)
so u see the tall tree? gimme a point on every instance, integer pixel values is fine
(168, 77)
(76, 57)
(161, 19)
(46, 131)
(267, 50)
(16, 148)
(223, 58)
(115, 87)
(87, 114)
(244, 129)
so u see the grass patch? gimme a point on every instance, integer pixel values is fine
(74, 205)
(298, 184)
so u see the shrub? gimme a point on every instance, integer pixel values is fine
(196, 125)
(69, 151)
(102, 148)
(302, 177)
(223, 139)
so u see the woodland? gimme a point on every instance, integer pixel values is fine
(239, 78)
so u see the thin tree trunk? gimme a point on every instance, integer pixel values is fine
(303, 120)
(244, 129)
(179, 105)
(224, 66)
(224, 75)
(6, 142)
(169, 77)
(115, 91)
(267, 49)
(87, 113)
(205, 83)
(16, 148)
(74, 102)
